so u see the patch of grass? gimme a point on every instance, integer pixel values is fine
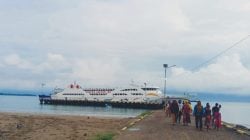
(104, 136)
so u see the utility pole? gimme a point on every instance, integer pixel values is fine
(165, 80)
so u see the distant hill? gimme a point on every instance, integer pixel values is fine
(12, 94)
(18, 92)
(224, 97)
(214, 96)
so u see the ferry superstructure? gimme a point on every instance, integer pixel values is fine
(71, 92)
(147, 94)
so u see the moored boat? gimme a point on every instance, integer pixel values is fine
(132, 96)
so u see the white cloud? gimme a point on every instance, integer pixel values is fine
(12, 59)
(1, 65)
(97, 71)
(115, 26)
(15, 60)
(112, 42)
(240, 6)
(53, 63)
(55, 57)
(226, 75)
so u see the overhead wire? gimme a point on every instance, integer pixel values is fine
(217, 55)
(214, 57)
(222, 52)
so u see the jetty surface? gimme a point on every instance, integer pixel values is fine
(158, 126)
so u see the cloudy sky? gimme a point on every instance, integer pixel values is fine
(107, 43)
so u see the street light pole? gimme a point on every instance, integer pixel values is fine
(165, 80)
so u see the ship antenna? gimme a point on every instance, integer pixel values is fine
(132, 83)
(42, 84)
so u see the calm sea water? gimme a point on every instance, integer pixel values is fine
(233, 112)
(31, 104)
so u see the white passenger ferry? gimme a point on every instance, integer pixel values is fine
(149, 94)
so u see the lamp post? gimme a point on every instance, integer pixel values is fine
(166, 66)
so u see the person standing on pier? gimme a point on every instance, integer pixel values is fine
(167, 109)
(208, 116)
(214, 110)
(198, 113)
(186, 110)
(217, 119)
(191, 110)
(180, 111)
(174, 108)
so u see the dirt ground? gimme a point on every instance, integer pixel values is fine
(44, 127)
(158, 127)
(154, 127)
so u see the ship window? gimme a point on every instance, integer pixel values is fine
(149, 88)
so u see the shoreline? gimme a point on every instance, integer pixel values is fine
(69, 115)
(228, 124)
(62, 115)
(39, 126)
(241, 129)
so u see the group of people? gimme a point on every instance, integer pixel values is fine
(183, 109)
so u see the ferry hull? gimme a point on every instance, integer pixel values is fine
(136, 105)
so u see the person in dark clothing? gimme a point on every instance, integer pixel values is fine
(214, 110)
(198, 113)
(174, 108)
(208, 116)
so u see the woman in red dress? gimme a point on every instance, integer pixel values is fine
(217, 120)
(186, 113)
